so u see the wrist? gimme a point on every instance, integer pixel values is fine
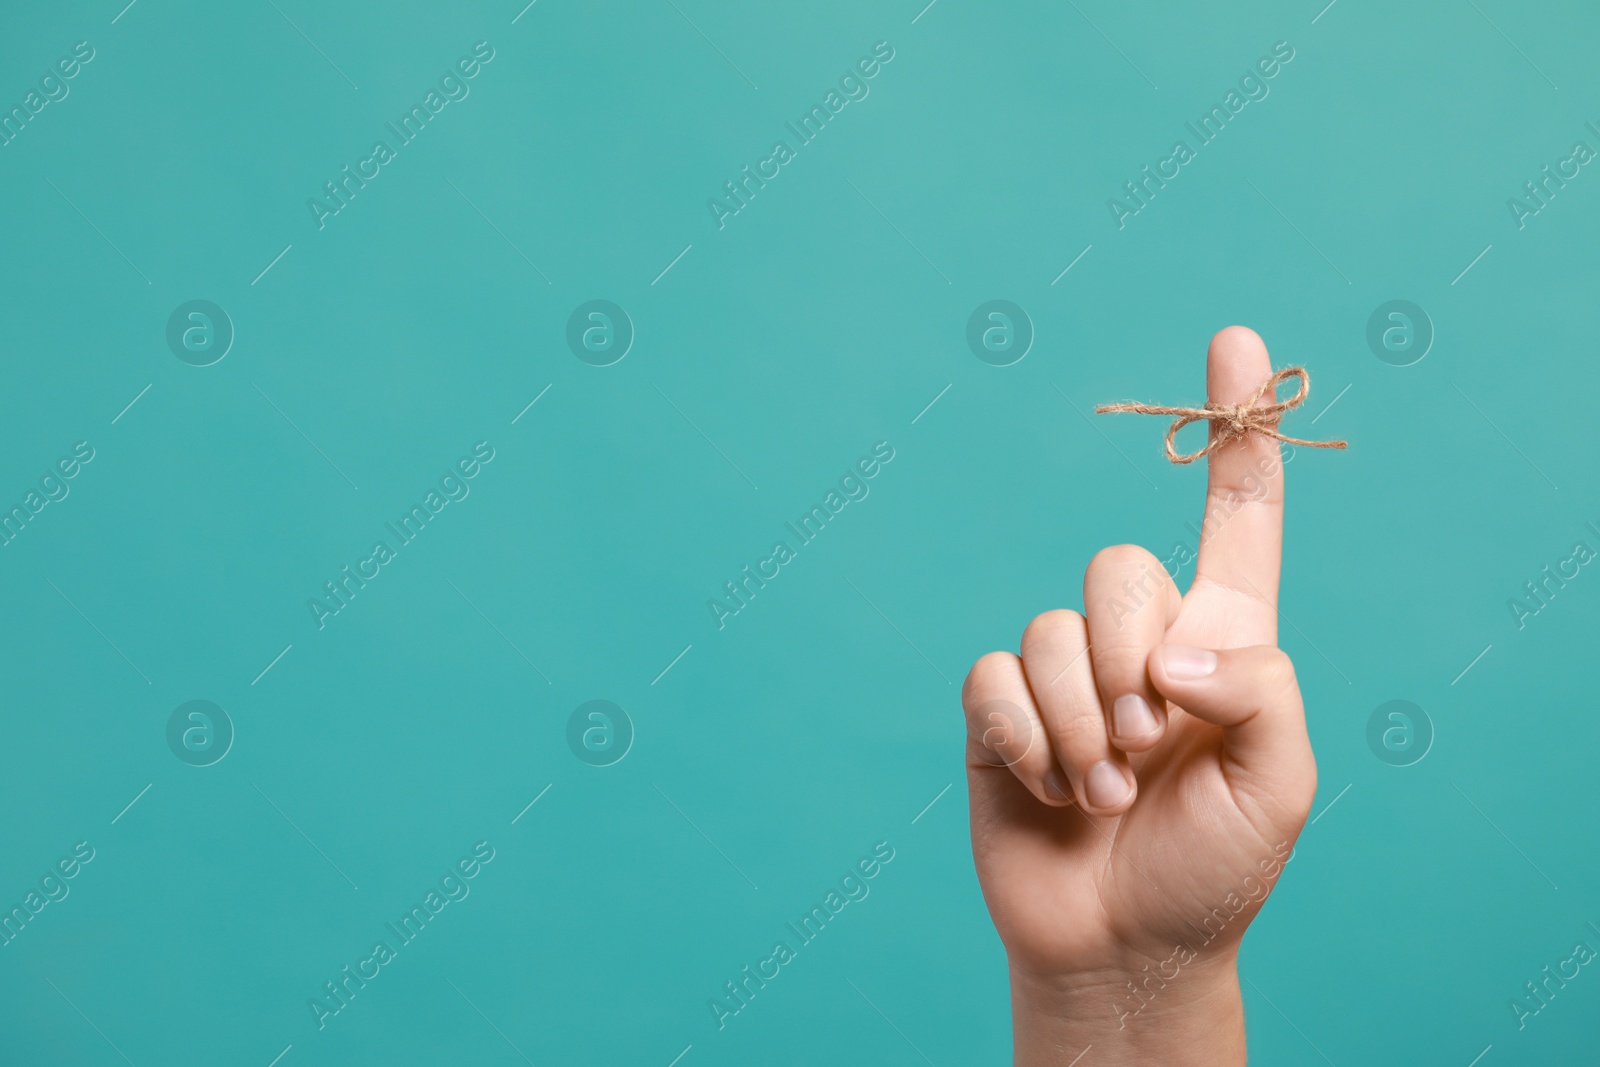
(1165, 1012)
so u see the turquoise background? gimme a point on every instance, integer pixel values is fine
(824, 718)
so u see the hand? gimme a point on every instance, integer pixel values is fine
(1138, 777)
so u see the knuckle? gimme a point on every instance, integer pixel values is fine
(1052, 628)
(1120, 650)
(984, 677)
(1120, 657)
(1117, 556)
(1121, 583)
(1278, 674)
(1295, 797)
(1081, 738)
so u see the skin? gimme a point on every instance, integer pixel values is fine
(1108, 859)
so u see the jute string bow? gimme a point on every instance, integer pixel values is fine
(1232, 421)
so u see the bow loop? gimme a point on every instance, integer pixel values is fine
(1232, 421)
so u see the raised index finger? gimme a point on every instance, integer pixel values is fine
(1241, 534)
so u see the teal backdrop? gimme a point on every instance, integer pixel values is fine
(184, 483)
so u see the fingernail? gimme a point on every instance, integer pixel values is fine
(1131, 717)
(1106, 785)
(1183, 662)
(1056, 786)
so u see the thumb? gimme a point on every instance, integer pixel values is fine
(1253, 695)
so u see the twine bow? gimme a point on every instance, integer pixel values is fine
(1232, 421)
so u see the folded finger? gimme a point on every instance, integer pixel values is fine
(1055, 655)
(1130, 601)
(1004, 729)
